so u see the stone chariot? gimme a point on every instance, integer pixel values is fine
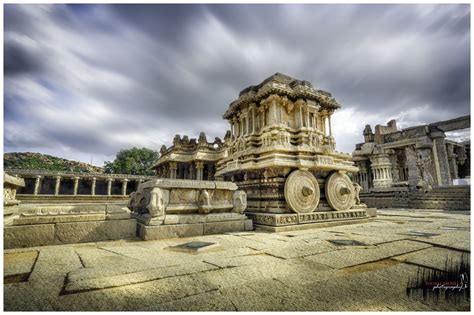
(282, 154)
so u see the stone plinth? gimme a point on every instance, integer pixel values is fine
(298, 221)
(167, 208)
(38, 225)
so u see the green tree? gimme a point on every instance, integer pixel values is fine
(134, 161)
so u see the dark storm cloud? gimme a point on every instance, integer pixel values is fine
(85, 80)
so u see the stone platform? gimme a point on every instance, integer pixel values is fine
(194, 225)
(170, 208)
(358, 267)
(300, 221)
(38, 225)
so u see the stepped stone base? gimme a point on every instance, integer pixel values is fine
(297, 221)
(203, 226)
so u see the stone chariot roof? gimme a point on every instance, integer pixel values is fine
(282, 84)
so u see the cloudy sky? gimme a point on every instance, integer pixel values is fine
(84, 81)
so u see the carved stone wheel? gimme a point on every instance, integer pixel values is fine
(302, 192)
(339, 191)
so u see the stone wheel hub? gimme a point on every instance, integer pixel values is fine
(302, 192)
(339, 191)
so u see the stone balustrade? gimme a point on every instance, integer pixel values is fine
(58, 184)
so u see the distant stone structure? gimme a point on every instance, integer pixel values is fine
(189, 158)
(50, 187)
(396, 164)
(32, 224)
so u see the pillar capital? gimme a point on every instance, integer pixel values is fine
(199, 164)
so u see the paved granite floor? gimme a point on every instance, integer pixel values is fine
(251, 271)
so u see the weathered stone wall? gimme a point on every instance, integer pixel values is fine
(446, 198)
(386, 199)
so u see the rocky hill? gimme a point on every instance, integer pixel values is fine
(38, 161)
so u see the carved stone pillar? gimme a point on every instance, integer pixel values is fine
(37, 184)
(307, 117)
(57, 186)
(93, 186)
(330, 128)
(124, 186)
(173, 168)
(76, 185)
(381, 168)
(199, 170)
(247, 125)
(441, 162)
(253, 120)
(109, 186)
(237, 128)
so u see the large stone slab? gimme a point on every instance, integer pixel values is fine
(28, 235)
(197, 218)
(433, 257)
(94, 281)
(156, 232)
(17, 266)
(300, 249)
(222, 227)
(353, 256)
(76, 232)
(258, 259)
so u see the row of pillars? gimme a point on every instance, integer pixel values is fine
(241, 127)
(199, 167)
(57, 186)
(382, 173)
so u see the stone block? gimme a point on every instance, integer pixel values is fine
(28, 235)
(372, 212)
(17, 266)
(199, 218)
(248, 225)
(222, 227)
(57, 218)
(93, 231)
(156, 232)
